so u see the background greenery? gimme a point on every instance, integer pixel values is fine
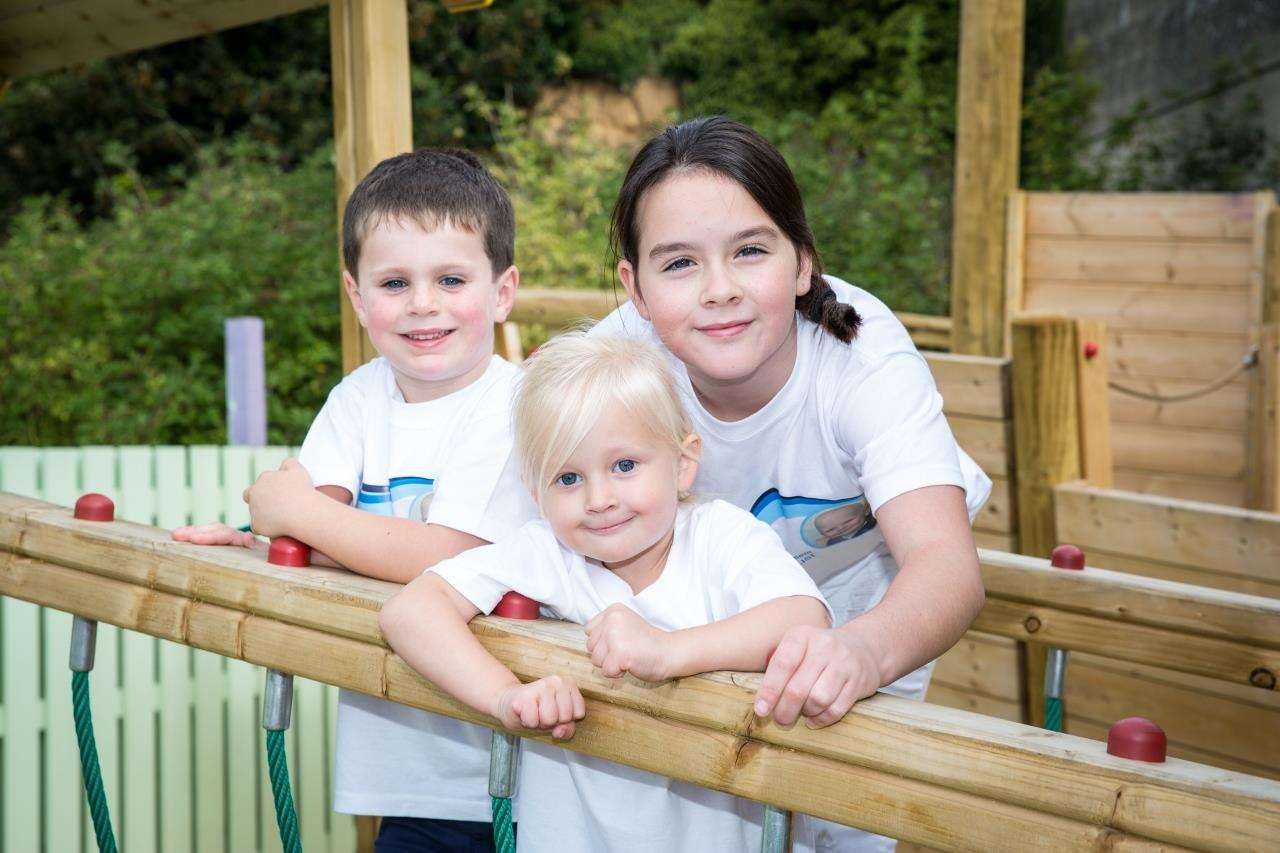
(144, 199)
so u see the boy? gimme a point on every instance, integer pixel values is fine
(418, 439)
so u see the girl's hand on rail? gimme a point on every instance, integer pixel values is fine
(278, 497)
(217, 533)
(620, 640)
(550, 704)
(817, 673)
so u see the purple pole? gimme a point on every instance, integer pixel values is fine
(246, 382)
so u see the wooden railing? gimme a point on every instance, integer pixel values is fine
(939, 777)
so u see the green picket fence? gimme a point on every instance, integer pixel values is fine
(179, 731)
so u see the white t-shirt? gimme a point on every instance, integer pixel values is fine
(854, 426)
(722, 562)
(446, 462)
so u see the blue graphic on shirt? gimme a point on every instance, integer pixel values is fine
(404, 497)
(822, 522)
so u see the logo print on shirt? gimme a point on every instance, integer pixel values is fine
(405, 497)
(822, 522)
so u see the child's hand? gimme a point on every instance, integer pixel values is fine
(277, 497)
(553, 703)
(619, 640)
(216, 533)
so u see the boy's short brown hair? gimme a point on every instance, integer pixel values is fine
(432, 186)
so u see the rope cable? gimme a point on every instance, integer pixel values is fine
(89, 768)
(286, 817)
(1250, 359)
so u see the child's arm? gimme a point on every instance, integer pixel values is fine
(426, 624)
(620, 640)
(284, 503)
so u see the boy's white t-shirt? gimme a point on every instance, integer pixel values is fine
(722, 561)
(446, 462)
(854, 426)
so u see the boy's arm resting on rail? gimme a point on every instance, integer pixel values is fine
(620, 640)
(426, 624)
(929, 605)
(284, 503)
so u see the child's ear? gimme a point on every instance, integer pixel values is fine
(507, 284)
(353, 293)
(804, 275)
(690, 452)
(627, 275)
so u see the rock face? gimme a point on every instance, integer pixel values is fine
(610, 115)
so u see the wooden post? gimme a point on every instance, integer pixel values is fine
(1046, 434)
(1262, 484)
(1092, 375)
(369, 52)
(988, 111)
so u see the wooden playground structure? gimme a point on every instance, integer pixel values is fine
(1111, 360)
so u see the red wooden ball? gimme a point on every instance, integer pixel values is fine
(287, 551)
(95, 507)
(1090, 350)
(516, 606)
(1137, 738)
(1067, 557)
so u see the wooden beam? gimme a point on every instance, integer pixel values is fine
(988, 112)
(1092, 375)
(37, 37)
(369, 53)
(947, 779)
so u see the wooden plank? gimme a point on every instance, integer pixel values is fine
(1173, 264)
(981, 664)
(506, 341)
(972, 385)
(1194, 712)
(988, 108)
(369, 58)
(988, 441)
(995, 541)
(1046, 423)
(562, 307)
(1095, 414)
(998, 514)
(1223, 409)
(1219, 539)
(1262, 438)
(1019, 786)
(38, 37)
(1216, 490)
(927, 331)
(1015, 247)
(950, 696)
(1185, 574)
(1139, 306)
(1200, 452)
(1271, 270)
(1195, 356)
(1129, 216)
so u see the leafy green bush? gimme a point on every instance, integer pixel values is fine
(113, 333)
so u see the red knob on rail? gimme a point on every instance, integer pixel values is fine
(516, 606)
(1067, 557)
(1137, 738)
(95, 507)
(287, 551)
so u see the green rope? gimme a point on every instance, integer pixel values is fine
(286, 818)
(89, 768)
(504, 833)
(1053, 713)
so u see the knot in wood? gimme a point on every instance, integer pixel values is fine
(1263, 677)
(1032, 624)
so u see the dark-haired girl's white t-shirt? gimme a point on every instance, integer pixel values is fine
(854, 426)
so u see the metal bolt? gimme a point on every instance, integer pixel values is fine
(277, 701)
(1032, 624)
(504, 758)
(1263, 677)
(84, 636)
(1055, 674)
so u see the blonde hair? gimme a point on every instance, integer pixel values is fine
(571, 380)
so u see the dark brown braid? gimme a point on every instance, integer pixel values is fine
(822, 307)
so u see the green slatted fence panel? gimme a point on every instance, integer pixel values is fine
(19, 690)
(209, 719)
(307, 762)
(237, 475)
(177, 769)
(139, 663)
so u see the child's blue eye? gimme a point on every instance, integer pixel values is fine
(567, 479)
(678, 264)
(395, 284)
(452, 281)
(752, 250)
(624, 466)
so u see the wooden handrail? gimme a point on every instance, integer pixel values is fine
(935, 776)
(559, 308)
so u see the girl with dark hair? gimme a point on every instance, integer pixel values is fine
(808, 394)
